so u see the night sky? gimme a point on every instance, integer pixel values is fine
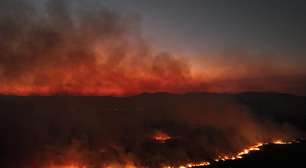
(210, 25)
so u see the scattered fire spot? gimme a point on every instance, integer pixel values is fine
(280, 142)
(161, 136)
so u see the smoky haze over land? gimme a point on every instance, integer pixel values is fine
(107, 131)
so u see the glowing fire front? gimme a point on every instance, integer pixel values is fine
(239, 155)
(160, 136)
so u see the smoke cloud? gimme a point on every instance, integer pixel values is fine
(81, 48)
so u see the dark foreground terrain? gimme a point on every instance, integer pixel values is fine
(289, 155)
(35, 130)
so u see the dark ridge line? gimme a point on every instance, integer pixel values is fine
(157, 94)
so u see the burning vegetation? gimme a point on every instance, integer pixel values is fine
(240, 155)
(220, 158)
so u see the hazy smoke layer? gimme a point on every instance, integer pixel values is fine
(54, 132)
(81, 48)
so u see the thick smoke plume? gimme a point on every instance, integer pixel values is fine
(80, 47)
(83, 48)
